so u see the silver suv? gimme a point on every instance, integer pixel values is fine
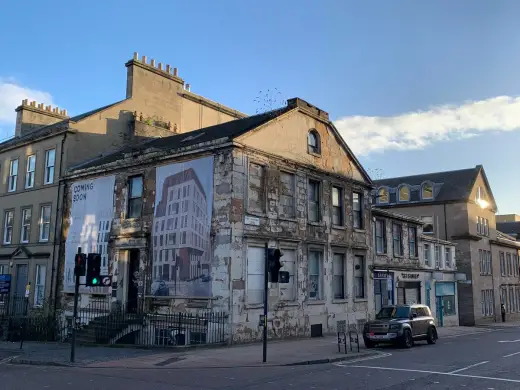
(402, 325)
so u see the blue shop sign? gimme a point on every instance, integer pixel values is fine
(382, 274)
(5, 283)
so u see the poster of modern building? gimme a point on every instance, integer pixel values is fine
(91, 214)
(181, 229)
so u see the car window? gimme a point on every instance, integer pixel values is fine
(393, 312)
(415, 312)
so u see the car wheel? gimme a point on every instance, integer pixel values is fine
(369, 344)
(407, 339)
(432, 335)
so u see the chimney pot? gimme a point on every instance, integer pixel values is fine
(33, 103)
(152, 62)
(40, 106)
(159, 66)
(188, 87)
(49, 107)
(175, 71)
(144, 60)
(64, 112)
(136, 56)
(168, 69)
(24, 102)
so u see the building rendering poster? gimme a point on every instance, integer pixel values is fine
(181, 229)
(91, 214)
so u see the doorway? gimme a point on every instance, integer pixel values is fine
(22, 277)
(132, 287)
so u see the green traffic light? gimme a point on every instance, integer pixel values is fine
(95, 281)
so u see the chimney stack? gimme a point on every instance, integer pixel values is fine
(33, 115)
(136, 80)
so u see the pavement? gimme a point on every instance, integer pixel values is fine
(469, 358)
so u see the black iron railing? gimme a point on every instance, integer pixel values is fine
(102, 322)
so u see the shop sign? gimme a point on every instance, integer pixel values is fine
(409, 276)
(381, 275)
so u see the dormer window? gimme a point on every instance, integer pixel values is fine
(427, 191)
(404, 193)
(313, 142)
(382, 195)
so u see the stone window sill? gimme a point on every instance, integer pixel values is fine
(357, 230)
(340, 301)
(255, 306)
(287, 219)
(315, 302)
(318, 224)
(338, 227)
(287, 304)
(360, 300)
(255, 214)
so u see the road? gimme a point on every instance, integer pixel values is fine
(477, 362)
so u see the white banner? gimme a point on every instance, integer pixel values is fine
(91, 214)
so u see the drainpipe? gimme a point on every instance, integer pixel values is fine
(445, 224)
(56, 262)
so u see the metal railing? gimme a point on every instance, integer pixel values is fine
(102, 322)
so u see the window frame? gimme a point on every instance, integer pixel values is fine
(48, 178)
(37, 286)
(357, 215)
(12, 178)
(383, 236)
(284, 194)
(363, 278)
(412, 243)
(314, 149)
(342, 276)
(320, 290)
(401, 187)
(340, 208)
(285, 247)
(42, 224)
(23, 225)
(317, 202)
(427, 250)
(425, 223)
(379, 195)
(9, 212)
(136, 199)
(502, 260)
(395, 239)
(30, 174)
(423, 185)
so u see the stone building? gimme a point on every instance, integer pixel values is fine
(410, 267)
(231, 186)
(47, 141)
(459, 206)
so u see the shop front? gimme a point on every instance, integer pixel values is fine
(408, 287)
(383, 289)
(446, 303)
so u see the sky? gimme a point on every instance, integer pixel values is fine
(413, 86)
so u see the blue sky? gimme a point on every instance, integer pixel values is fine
(414, 86)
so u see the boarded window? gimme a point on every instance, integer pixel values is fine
(287, 195)
(256, 195)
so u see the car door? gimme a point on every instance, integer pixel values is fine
(423, 319)
(418, 321)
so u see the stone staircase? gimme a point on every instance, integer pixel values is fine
(104, 329)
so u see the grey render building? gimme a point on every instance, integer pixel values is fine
(459, 206)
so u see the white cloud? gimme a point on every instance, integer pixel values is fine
(416, 130)
(11, 96)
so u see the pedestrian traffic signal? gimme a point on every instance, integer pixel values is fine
(80, 264)
(93, 270)
(273, 263)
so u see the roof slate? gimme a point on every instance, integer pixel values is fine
(455, 185)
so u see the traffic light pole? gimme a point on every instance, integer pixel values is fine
(266, 295)
(76, 297)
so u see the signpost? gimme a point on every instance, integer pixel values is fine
(266, 295)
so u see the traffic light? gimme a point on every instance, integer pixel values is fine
(80, 264)
(273, 263)
(93, 270)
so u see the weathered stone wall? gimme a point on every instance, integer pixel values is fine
(252, 228)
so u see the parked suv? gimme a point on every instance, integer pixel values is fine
(402, 325)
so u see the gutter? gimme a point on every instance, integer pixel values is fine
(56, 262)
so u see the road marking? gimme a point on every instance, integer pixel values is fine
(378, 355)
(468, 367)
(509, 341)
(8, 359)
(511, 354)
(468, 334)
(439, 373)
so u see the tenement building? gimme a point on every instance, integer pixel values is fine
(189, 216)
(47, 140)
(459, 206)
(410, 267)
